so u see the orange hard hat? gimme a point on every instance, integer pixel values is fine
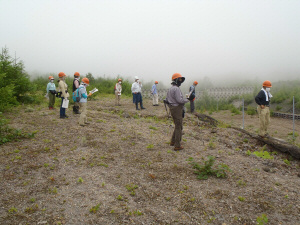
(50, 77)
(85, 80)
(76, 74)
(156, 82)
(267, 83)
(61, 74)
(176, 75)
(119, 79)
(196, 82)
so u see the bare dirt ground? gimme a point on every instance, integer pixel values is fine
(120, 169)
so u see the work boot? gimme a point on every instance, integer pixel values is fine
(137, 106)
(76, 109)
(178, 148)
(142, 107)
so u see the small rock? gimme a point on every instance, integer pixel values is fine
(267, 169)
(125, 115)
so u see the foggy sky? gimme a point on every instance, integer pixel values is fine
(154, 39)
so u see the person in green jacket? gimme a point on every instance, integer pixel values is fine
(51, 91)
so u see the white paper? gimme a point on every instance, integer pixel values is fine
(65, 103)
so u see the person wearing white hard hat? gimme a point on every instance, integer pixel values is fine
(136, 89)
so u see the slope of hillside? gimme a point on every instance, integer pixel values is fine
(120, 169)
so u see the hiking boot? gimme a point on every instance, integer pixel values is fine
(178, 148)
(143, 107)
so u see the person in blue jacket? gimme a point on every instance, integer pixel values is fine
(83, 101)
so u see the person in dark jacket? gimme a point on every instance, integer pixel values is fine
(192, 96)
(263, 99)
(176, 103)
(76, 84)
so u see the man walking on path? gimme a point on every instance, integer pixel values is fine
(262, 99)
(192, 96)
(75, 86)
(154, 93)
(176, 104)
(118, 90)
(136, 89)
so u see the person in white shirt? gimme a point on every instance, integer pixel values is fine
(118, 90)
(136, 89)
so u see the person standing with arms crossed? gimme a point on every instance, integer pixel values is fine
(176, 104)
(263, 99)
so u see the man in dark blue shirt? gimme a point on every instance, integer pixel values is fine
(262, 99)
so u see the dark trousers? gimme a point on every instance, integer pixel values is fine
(51, 99)
(192, 105)
(62, 111)
(176, 113)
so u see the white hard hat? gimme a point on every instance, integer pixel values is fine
(136, 77)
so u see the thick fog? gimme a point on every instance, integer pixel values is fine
(221, 40)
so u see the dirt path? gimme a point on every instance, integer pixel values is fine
(120, 170)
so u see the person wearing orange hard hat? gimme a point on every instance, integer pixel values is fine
(118, 91)
(51, 91)
(83, 101)
(76, 83)
(192, 96)
(62, 93)
(176, 101)
(263, 99)
(154, 93)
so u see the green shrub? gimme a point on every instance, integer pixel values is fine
(14, 82)
(203, 171)
(251, 110)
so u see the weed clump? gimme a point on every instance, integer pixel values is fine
(203, 171)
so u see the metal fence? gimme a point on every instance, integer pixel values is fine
(217, 93)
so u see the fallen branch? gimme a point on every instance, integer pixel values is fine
(276, 143)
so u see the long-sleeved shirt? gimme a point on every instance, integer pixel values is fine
(154, 89)
(82, 93)
(50, 86)
(63, 87)
(118, 88)
(175, 97)
(136, 87)
(261, 98)
(192, 89)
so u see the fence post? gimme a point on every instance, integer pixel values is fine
(293, 118)
(217, 104)
(243, 114)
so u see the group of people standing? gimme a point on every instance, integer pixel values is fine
(63, 94)
(175, 101)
